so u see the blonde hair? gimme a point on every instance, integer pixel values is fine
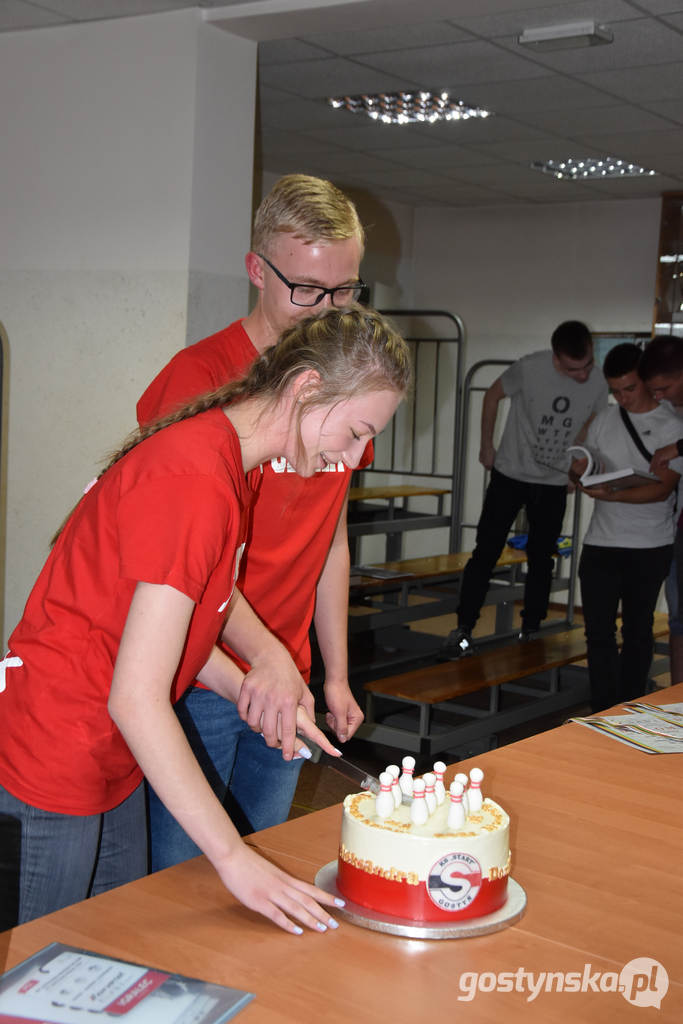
(312, 209)
(352, 351)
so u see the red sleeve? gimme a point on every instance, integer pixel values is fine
(182, 379)
(174, 530)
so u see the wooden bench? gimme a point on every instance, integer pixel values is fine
(367, 517)
(388, 599)
(501, 670)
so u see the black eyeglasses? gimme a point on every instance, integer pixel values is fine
(312, 294)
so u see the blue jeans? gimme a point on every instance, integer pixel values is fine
(50, 860)
(253, 781)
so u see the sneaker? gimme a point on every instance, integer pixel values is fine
(458, 644)
(526, 634)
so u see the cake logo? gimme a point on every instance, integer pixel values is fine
(454, 881)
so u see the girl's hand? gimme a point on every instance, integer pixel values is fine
(306, 727)
(268, 890)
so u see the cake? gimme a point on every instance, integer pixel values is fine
(429, 872)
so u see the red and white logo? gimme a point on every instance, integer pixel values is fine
(454, 881)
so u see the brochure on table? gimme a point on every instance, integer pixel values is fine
(654, 729)
(64, 985)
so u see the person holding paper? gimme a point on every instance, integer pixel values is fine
(628, 546)
(661, 367)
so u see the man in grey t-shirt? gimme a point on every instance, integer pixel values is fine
(553, 395)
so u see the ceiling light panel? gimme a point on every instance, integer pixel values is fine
(419, 107)
(572, 169)
(566, 37)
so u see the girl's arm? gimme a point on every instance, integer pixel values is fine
(222, 675)
(149, 653)
(273, 689)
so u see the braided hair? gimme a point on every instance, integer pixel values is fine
(352, 351)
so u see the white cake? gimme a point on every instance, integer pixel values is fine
(424, 872)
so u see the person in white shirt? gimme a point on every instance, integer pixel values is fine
(628, 546)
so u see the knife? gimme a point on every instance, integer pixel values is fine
(351, 771)
(365, 780)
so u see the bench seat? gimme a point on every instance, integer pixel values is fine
(530, 670)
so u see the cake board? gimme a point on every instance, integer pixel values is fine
(508, 914)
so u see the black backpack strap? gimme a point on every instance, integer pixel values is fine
(626, 419)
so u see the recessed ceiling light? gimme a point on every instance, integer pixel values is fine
(591, 167)
(409, 107)
(566, 37)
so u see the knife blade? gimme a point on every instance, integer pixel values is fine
(346, 768)
(352, 772)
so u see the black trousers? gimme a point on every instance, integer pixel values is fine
(545, 505)
(633, 576)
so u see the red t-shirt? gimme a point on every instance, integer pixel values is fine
(172, 511)
(293, 519)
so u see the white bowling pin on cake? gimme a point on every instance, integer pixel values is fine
(463, 780)
(406, 780)
(418, 809)
(456, 811)
(395, 771)
(384, 801)
(430, 795)
(474, 794)
(439, 788)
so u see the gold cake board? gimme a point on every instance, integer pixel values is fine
(511, 911)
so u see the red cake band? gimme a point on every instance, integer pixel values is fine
(430, 900)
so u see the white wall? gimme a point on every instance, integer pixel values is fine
(110, 140)
(514, 273)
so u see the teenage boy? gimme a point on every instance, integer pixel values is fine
(628, 545)
(307, 244)
(661, 367)
(553, 395)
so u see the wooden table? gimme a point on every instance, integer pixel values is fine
(597, 840)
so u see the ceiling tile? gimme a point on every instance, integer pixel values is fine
(359, 132)
(490, 129)
(552, 92)
(644, 147)
(286, 51)
(454, 65)
(439, 158)
(661, 6)
(596, 119)
(670, 109)
(296, 113)
(391, 37)
(636, 43)
(660, 82)
(334, 77)
(514, 22)
(545, 148)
